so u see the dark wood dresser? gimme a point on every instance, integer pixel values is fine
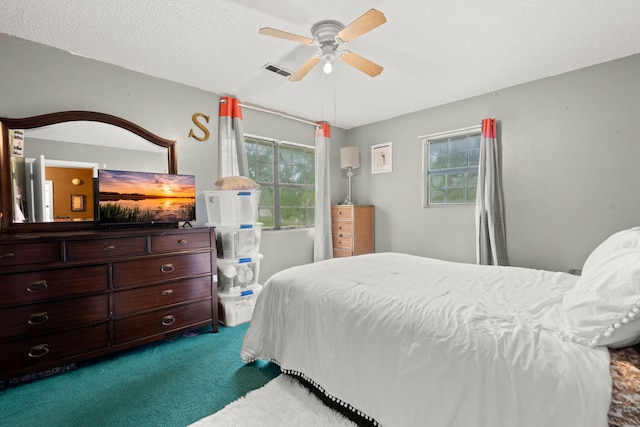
(66, 297)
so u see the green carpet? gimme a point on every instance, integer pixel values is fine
(160, 384)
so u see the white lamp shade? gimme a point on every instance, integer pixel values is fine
(350, 157)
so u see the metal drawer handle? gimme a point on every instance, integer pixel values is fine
(37, 286)
(182, 242)
(168, 320)
(167, 292)
(39, 350)
(7, 255)
(167, 268)
(38, 318)
(109, 248)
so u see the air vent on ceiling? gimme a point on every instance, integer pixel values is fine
(278, 70)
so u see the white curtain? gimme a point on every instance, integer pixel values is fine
(491, 241)
(322, 245)
(232, 154)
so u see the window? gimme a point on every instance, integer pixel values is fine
(286, 174)
(451, 167)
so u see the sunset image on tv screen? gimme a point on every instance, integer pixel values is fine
(144, 197)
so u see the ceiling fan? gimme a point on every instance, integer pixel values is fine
(329, 35)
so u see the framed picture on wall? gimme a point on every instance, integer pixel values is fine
(381, 158)
(78, 203)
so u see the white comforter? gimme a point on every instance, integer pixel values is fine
(413, 341)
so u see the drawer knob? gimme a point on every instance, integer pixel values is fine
(39, 350)
(167, 292)
(182, 242)
(109, 248)
(7, 255)
(37, 286)
(167, 268)
(168, 320)
(38, 318)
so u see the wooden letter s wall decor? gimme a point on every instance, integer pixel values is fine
(201, 126)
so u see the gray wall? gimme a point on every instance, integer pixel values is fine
(36, 79)
(570, 150)
(570, 167)
(105, 157)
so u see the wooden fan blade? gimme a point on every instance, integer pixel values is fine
(306, 67)
(363, 24)
(362, 64)
(284, 35)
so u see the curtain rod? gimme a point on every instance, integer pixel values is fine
(277, 113)
(455, 132)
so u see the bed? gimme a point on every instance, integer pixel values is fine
(403, 340)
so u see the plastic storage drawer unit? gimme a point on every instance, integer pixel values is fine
(231, 207)
(238, 241)
(237, 274)
(237, 307)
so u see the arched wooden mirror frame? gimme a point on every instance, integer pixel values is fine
(6, 192)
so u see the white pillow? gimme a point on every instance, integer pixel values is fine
(622, 239)
(603, 307)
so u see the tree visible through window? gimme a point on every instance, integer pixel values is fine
(451, 168)
(286, 174)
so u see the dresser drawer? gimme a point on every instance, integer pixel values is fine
(150, 297)
(343, 242)
(342, 227)
(29, 253)
(342, 212)
(82, 250)
(341, 253)
(176, 242)
(46, 316)
(46, 284)
(139, 272)
(161, 321)
(28, 352)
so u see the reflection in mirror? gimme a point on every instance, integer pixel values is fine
(57, 155)
(46, 190)
(109, 146)
(53, 163)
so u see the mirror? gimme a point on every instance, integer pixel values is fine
(49, 163)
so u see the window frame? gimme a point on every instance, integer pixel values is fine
(426, 141)
(277, 185)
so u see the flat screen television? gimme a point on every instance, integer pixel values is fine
(145, 198)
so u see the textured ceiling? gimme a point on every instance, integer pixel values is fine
(433, 51)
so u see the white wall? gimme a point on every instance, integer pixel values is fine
(570, 166)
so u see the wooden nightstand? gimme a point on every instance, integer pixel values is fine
(352, 229)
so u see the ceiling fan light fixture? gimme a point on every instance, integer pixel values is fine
(328, 56)
(329, 35)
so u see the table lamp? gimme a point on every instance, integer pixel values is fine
(349, 160)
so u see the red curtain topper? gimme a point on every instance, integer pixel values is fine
(230, 107)
(323, 129)
(489, 128)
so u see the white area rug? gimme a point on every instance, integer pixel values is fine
(281, 402)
